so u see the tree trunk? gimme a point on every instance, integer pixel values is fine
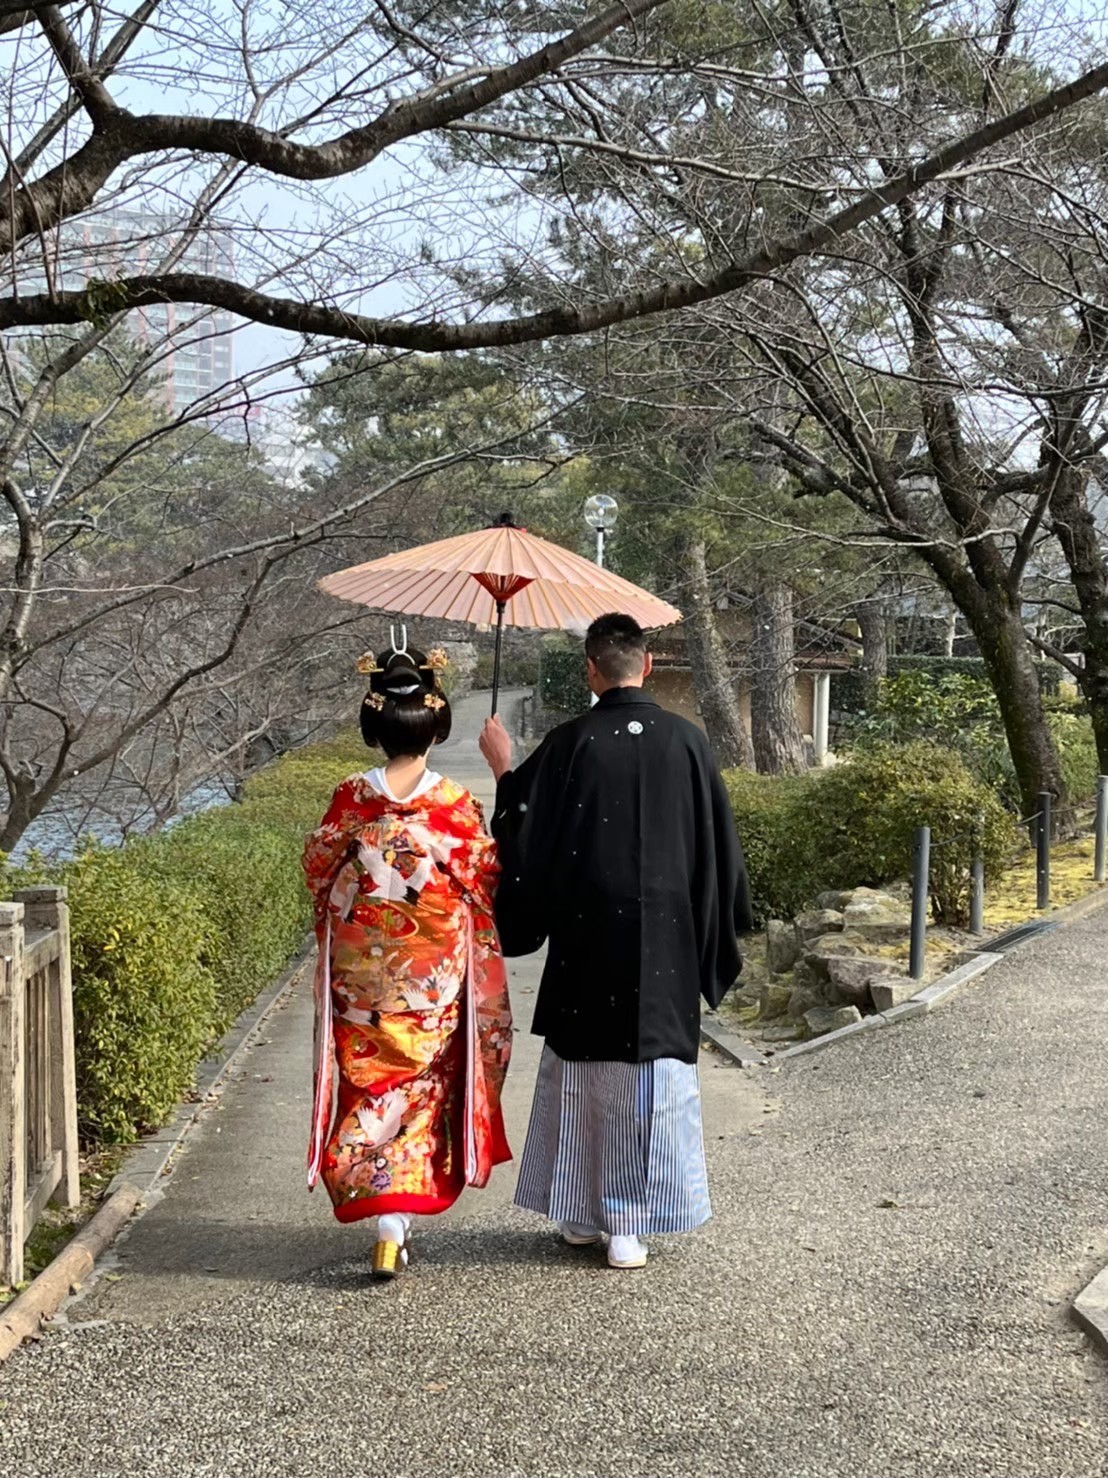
(778, 742)
(1076, 530)
(1010, 659)
(24, 807)
(872, 617)
(711, 675)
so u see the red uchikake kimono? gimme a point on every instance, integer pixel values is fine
(413, 1025)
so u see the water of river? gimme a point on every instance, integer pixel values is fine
(61, 829)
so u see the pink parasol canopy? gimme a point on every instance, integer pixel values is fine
(500, 576)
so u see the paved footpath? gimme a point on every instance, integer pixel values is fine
(900, 1224)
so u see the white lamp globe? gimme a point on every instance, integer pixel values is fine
(601, 512)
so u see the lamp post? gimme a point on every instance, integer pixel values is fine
(601, 512)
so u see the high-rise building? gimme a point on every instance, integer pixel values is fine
(289, 450)
(196, 359)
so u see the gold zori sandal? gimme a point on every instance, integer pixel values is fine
(388, 1259)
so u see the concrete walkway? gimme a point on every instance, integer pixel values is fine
(900, 1224)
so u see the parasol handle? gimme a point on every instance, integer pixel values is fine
(496, 659)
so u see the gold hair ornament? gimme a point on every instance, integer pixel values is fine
(433, 701)
(366, 664)
(374, 700)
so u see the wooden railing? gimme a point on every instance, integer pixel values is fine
(38, 1084)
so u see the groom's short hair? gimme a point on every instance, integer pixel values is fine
(616, 644)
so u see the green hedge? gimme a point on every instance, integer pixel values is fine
(963, 710)
(144, 993)
(563, 685)
(174, 934)
(850, 687)
(854, 826)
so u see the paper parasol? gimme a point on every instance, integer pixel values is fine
(500, 576)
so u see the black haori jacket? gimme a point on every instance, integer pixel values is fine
(619, 848)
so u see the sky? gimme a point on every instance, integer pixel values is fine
(365, 233)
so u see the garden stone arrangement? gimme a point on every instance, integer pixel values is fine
(830, 965)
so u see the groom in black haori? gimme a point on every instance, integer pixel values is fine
(619, 851)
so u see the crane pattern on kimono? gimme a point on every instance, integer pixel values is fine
(391, 873)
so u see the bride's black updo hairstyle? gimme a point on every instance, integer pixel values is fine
(405, 710)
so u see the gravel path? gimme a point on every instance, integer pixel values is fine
(900, 1224)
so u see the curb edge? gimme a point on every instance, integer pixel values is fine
(1090, 1310)
(23, 1318)
(975, 963)
(714, 1034)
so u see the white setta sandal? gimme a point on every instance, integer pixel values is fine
(626, 1252)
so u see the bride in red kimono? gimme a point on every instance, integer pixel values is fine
(413, 1026)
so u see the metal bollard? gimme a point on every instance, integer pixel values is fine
(921, 871)
(1101, 827)
(977, 897)
(1042, 852)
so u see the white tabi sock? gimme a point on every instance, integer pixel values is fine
(393, 1228)
(626, 1252)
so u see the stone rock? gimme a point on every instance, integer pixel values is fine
(832, 899)
(782, 947)
(781, 1033)
(862, 896)
(880, 916)
(887, 991)
(805, 977)
(837, 944)
(462, 656)
(775, 999)
(822, 1019)
(803, 1000)
(889, 932)
(816, 921)
(749, 994)
(848, 979)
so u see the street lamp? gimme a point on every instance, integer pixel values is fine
(601, 512)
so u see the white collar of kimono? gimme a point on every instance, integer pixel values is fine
(428, 781)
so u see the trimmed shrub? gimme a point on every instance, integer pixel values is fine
(917, 705)
(245, 873)
(174, 934)
(1072, 732)
(849, 687)
(778, 846)
(563, 685)
(854, 826)
(293, 792)
(144, 998)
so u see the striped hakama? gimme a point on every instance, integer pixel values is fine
(617, 1146)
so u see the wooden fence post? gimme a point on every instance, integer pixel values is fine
(47, 908)
(13, 1143)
